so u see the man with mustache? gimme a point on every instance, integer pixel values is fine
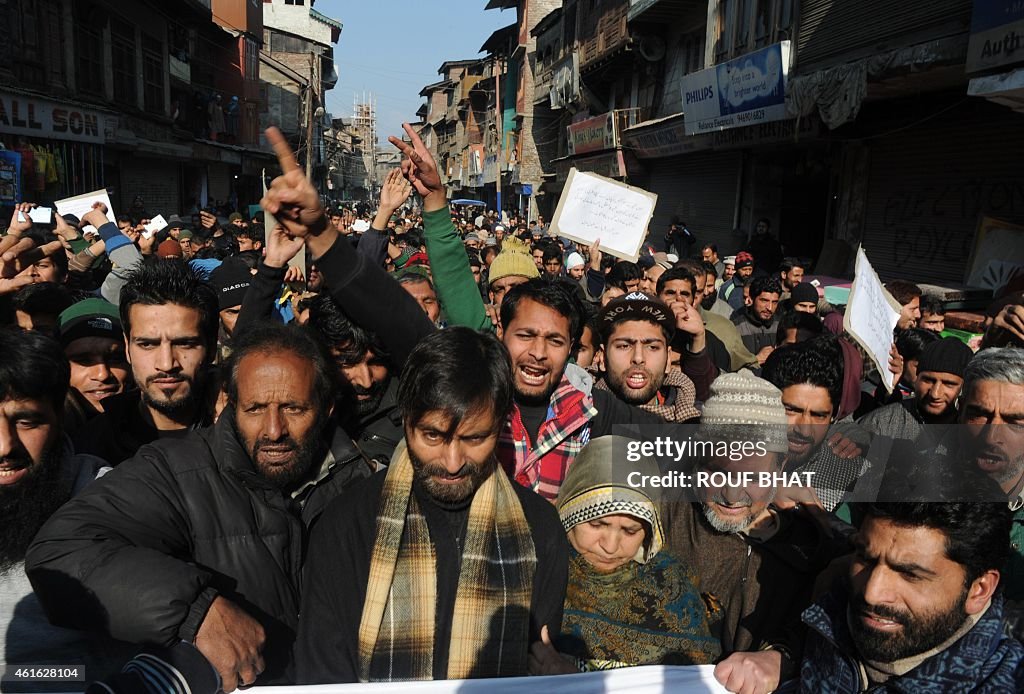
(440, 567)
(170, 319)
(990, 437)
(940, 377)
(921, 608)
(368, 406)
(810, 376)
(758, 322)
(38, 473)
(637, 332)
(202, 539)
(556, 409)
(757, 564)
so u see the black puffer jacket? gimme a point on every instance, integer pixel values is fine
(143, 551)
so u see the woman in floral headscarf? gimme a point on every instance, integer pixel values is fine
(626, 603)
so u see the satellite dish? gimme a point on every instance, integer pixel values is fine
(651, 48)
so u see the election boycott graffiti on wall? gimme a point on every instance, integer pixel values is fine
(748, 90)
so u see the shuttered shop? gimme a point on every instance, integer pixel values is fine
(929, 185)
(699, 189)
(834, 31)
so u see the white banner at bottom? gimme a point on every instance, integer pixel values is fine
(650, 679)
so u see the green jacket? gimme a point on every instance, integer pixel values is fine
(725, 330)
(453, 279)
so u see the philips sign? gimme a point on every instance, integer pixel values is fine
(748, 90)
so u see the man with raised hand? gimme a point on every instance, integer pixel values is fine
(556, 410)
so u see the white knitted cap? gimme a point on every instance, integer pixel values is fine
(743, 407)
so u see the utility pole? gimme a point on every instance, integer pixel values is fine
(309, 116)
(499, 126)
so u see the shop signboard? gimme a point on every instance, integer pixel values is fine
(748, 90)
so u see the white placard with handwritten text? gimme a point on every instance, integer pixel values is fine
(871, 316)
(595, 208)
(80, 204)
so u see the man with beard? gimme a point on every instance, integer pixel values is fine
(756, 563)
(637, 332)
(731, 291)
(810, 376)
(940, 377)
(368, 408)
(908, 295)
(556, 408)
(921, 609)
(791, 273)
(686, 282)
(201, 539)
(402, 580)
(758, 323)
(38, 473)
(170, 319)
(990, 437)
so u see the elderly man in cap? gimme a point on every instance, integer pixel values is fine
(940, 377)
(757, 563)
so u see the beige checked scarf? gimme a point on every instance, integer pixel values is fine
(681, 410)
(490, 624)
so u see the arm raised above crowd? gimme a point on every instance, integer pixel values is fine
(449, 265)
(123, 254)
(365, 292)
(258, 303)
(109, 559)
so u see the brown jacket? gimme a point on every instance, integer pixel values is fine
(760, 586)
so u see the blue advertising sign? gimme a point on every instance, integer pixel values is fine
(748, 90)
(997, 34)
(10, 177)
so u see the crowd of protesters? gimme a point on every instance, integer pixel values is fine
(389, 447)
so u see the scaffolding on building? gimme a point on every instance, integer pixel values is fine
(364, 122)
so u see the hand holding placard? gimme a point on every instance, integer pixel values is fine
(871, 315)
(593, 207)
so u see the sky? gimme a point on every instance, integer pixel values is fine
(393, 49)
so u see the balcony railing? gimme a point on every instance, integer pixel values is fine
(610, 33)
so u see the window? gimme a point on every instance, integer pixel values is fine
(53, 29)
(89, 57)
(252, 59)
(36, 33)
(152, 74)
(693, 47)
(122, 39)
(746, 25)
(294, 2)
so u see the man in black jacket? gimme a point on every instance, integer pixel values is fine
(170, 321)
(555, 408)
(202, 539)
(441, 567)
